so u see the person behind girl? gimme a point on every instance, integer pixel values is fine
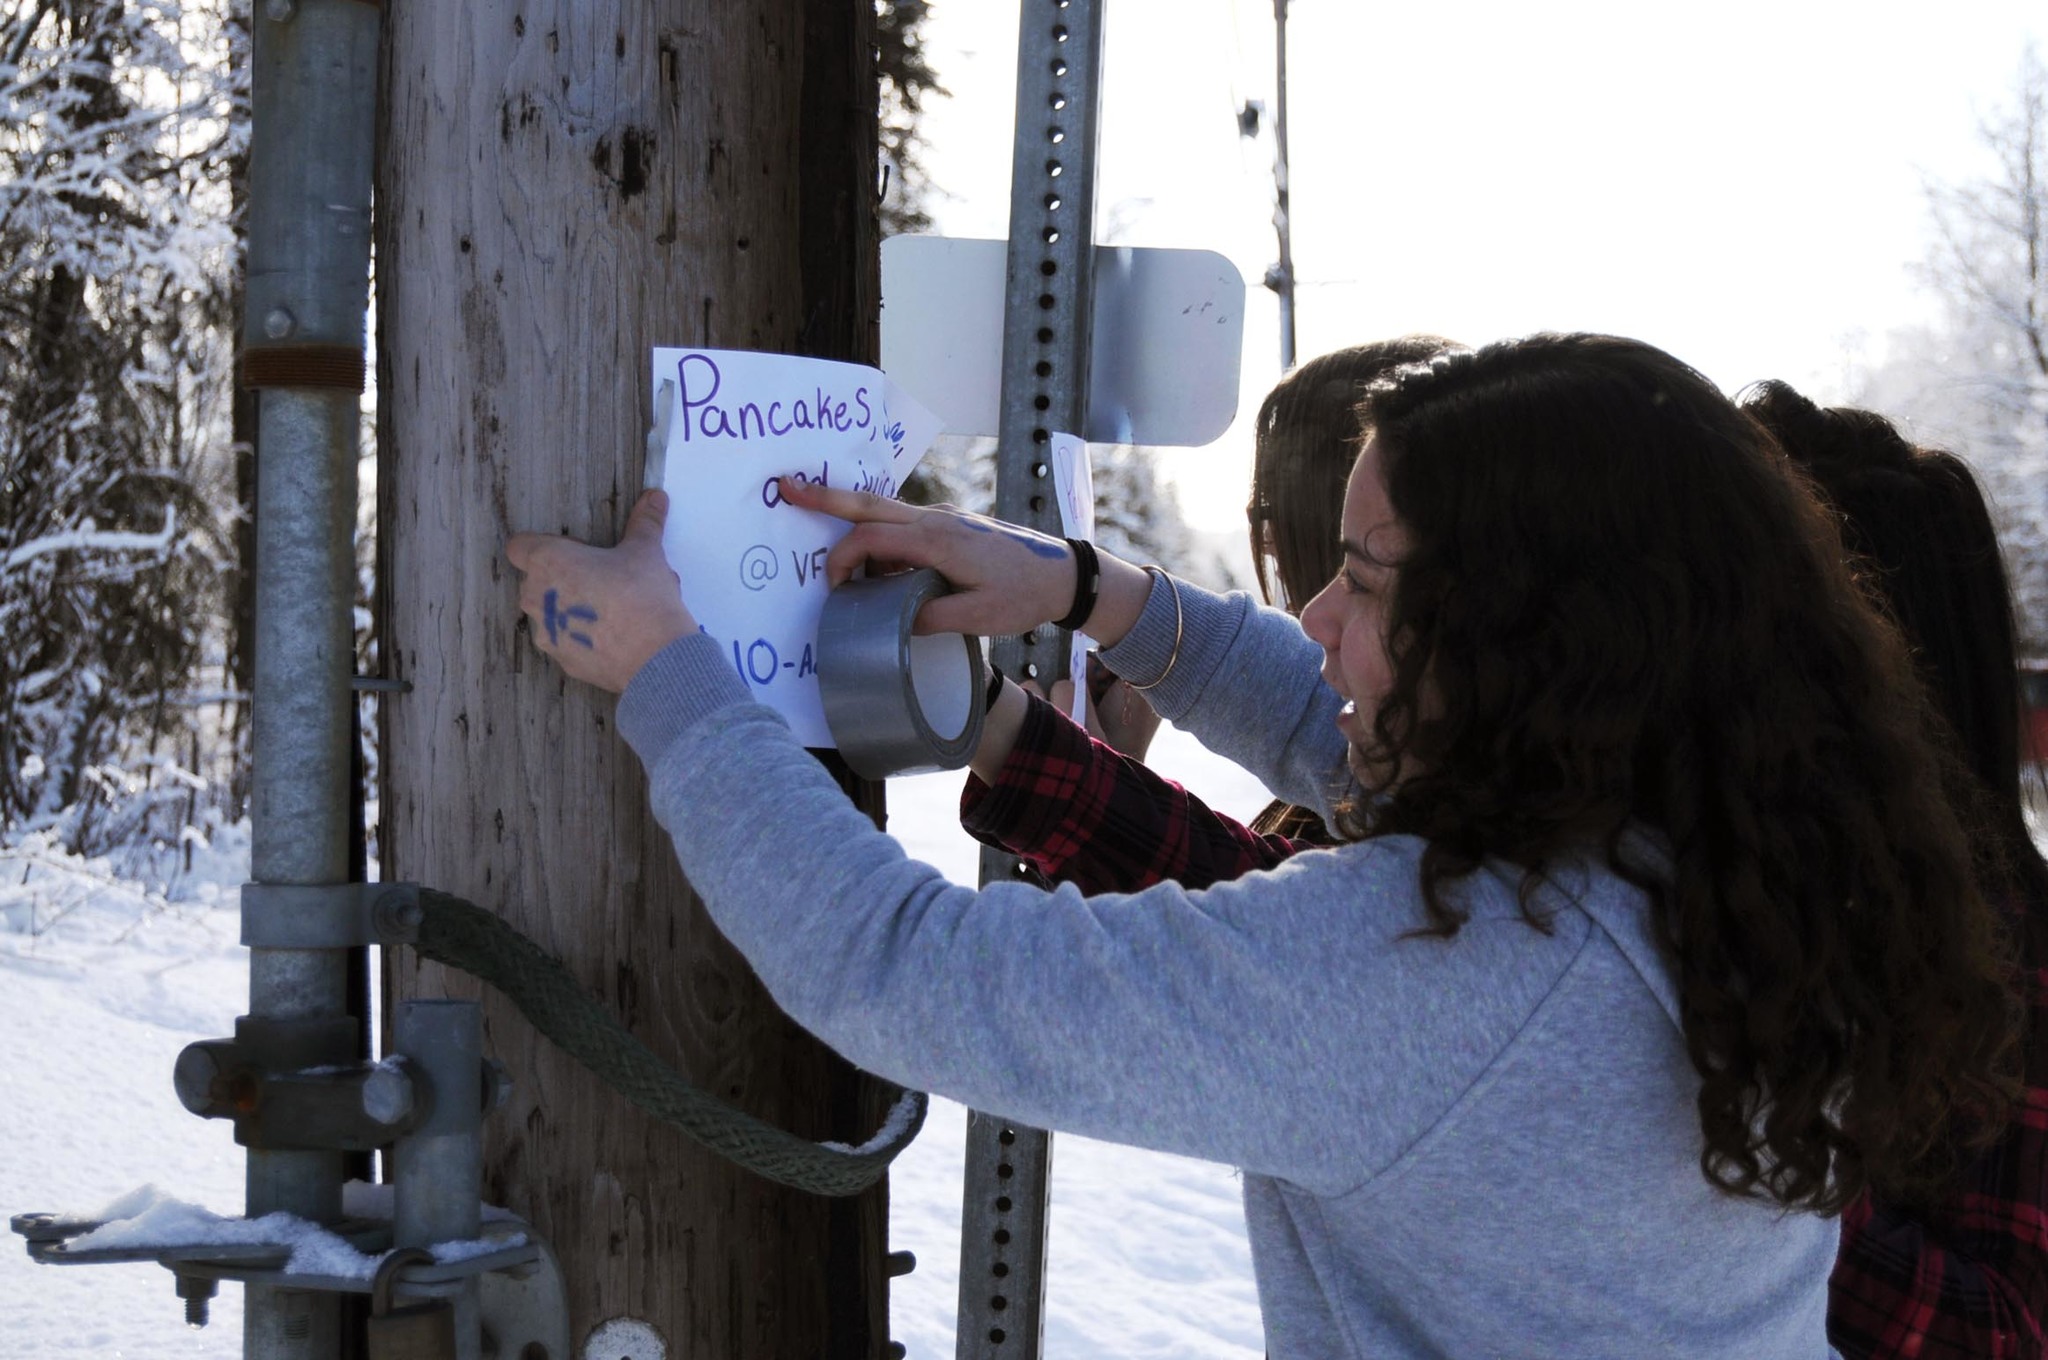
(1653, 926)
(1090, 813)
(1303, 447)
(1966, 1272)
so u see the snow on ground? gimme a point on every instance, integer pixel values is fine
(103, 981)
(101, 985)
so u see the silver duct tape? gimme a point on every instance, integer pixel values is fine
(897, 703)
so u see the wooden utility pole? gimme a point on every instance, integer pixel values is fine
(561, 187)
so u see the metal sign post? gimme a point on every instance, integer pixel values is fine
(1048, 305)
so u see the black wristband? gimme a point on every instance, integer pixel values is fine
(995, 689)
(1087, 582)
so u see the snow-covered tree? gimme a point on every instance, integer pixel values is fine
(907, 79)
(1138, 517)
(1977, 381)
(116, 260)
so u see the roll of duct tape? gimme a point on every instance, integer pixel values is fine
(897, 703)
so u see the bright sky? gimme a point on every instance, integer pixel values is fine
(1739, 183)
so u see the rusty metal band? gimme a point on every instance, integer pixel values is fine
(323, 366)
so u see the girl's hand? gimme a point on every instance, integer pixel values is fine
(1005, 579)
(602, 613)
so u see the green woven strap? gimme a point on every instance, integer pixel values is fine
(463, 935)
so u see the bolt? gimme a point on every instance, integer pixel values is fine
(622, 1338)
(398, 912)
(387, 1092)
(278, 322)
(281, 11)
(195, 1290)
(397, 916)
(37, 1227)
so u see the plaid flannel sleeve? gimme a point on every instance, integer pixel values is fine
(1081, 812)
(1968, 1278)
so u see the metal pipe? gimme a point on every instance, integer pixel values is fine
(305, 589)
(438, 1168)
(1048, 309)
(313, 108)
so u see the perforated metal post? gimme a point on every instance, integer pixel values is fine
(1047, 307)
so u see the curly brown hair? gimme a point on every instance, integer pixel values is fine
(1626, 612)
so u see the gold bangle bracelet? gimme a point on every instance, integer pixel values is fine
(1179, 624)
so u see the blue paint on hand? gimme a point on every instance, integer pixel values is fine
(1039, 545)
(559, 621)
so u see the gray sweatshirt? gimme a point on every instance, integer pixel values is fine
(1474, 1147)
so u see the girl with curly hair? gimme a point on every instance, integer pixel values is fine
(1656, 942)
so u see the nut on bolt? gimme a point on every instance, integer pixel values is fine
(387, 1092)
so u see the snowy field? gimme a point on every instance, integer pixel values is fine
(103, 981)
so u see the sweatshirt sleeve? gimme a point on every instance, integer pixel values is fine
(1280, 1023)
(1246, 682)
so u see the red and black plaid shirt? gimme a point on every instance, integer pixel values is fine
(1968, 1279)
(1081, 812)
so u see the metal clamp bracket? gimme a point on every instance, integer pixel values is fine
(346, 1106)
(329, 915)
(523, 1301)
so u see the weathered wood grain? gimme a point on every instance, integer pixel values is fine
(561, 187)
